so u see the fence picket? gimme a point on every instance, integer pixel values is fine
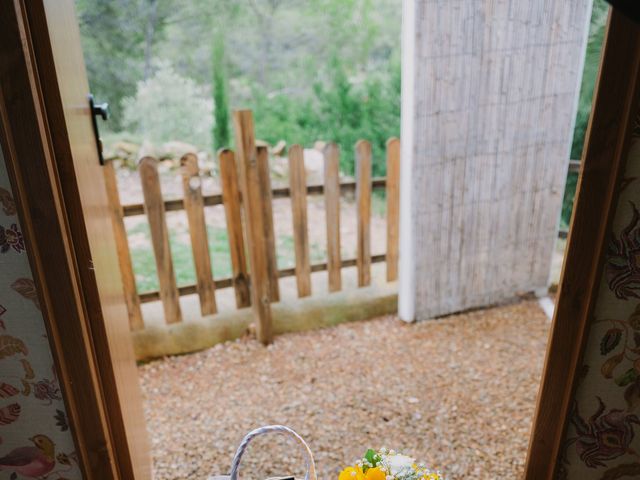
(194, 206)
(298, 185)
(231, 201)
(252, 197)
(363, 199)
(154, 207)
(122, 247)
(267, 213)
(393, 207)
(332, 209)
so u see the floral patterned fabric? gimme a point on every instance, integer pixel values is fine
(603, 437)
(35, 441)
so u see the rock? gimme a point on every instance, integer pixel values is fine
(176, 149)
(147, 150)
(319, 145)
(314, 165)
(470, 422)
(279, 149)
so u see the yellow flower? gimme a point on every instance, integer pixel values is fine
(351, 473)
(375, 474)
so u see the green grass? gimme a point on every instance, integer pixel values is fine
(285, 250)
(144, 265)
(379, 203)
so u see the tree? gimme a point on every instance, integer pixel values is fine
(281, 65)
(118, 37)
(350, 109)
(591, 64)
(112, 44)
(220, 100)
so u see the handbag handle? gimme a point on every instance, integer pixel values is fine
(235, 465)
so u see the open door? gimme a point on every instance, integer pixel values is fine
(612, 126)
(52, 156)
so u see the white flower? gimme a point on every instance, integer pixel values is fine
(399, 464)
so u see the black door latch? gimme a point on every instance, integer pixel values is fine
(102, 110)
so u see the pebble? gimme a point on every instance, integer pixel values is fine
(462, 401)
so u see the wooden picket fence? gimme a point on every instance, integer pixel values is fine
(247, 198)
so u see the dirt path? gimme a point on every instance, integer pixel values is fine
(458, 393)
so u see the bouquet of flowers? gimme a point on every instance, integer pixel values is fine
(388, 465)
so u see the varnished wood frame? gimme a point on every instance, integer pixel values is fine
(38, 158)
(613, 117)
(32, 169)
(30, 158)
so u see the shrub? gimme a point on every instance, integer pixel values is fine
(339, 110)
(221, 133)
(169, 107)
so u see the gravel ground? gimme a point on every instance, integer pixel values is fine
(458, 393)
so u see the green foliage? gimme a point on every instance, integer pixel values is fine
(280, 116)
(349, 111)
(372, 457)
(112, 51)
(591, 65)
(114, 36)
(221, 134)
(347, 86)
(341, 109)
(169, 107)
(281, 66)
(567, 203)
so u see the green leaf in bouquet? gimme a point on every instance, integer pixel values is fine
(372, 457)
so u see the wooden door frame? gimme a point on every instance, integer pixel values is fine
(38, 164)
(37, 153)
(615, 107)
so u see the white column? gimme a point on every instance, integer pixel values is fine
(407, 272)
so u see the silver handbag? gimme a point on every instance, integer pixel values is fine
(235, 465)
